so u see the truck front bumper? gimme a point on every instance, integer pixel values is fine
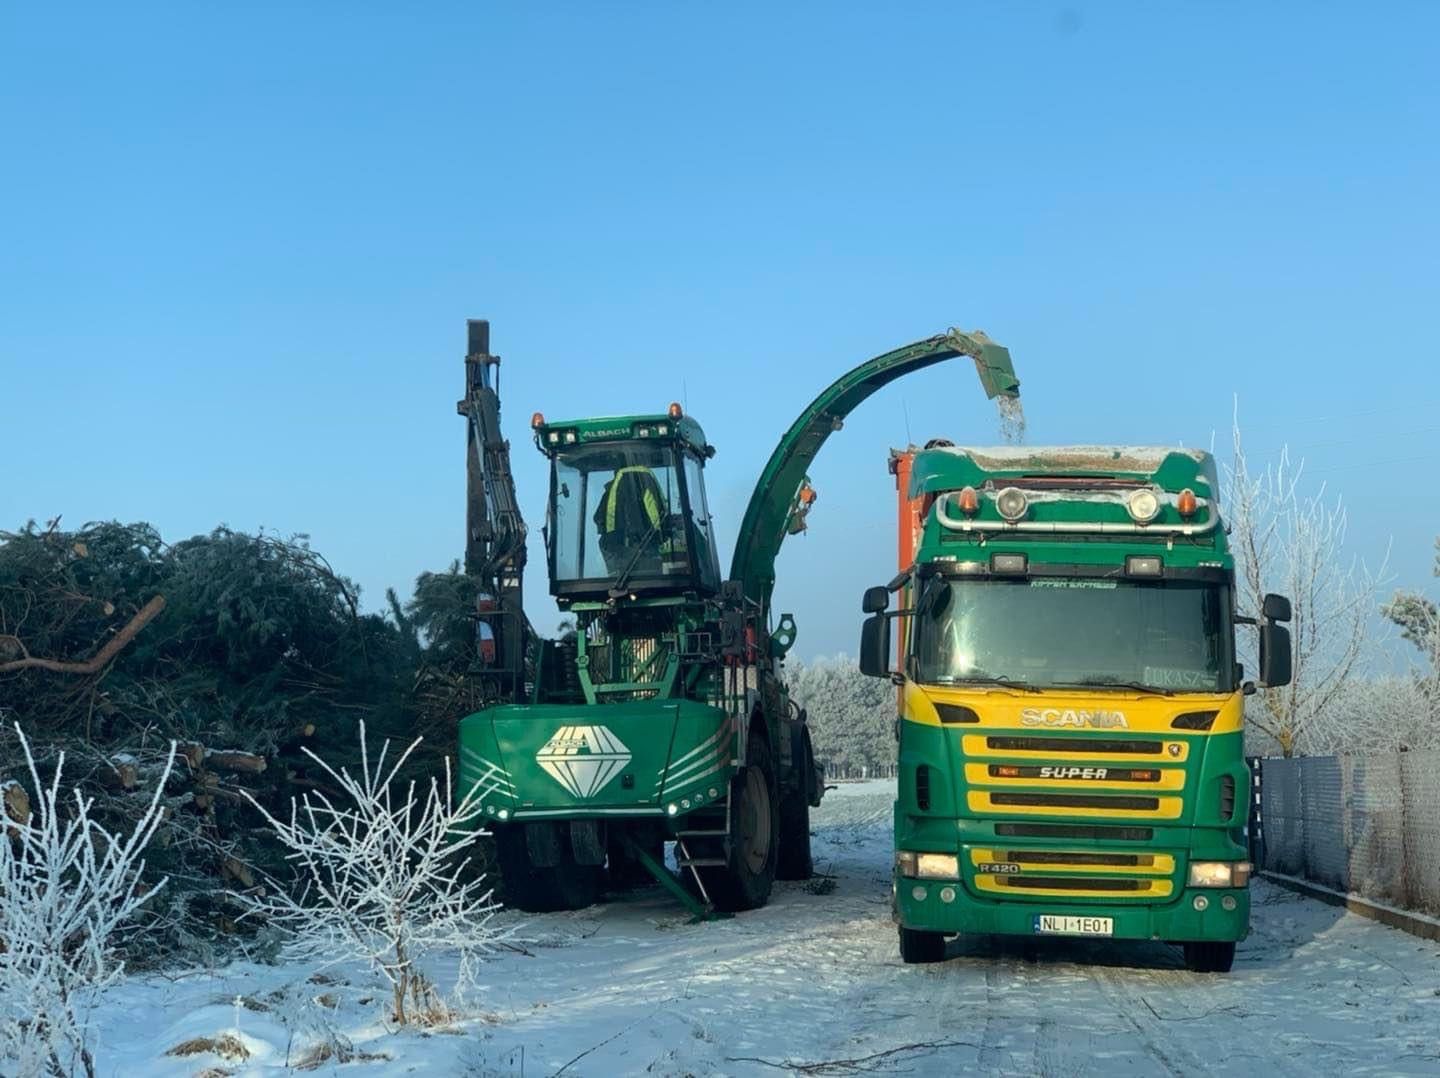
(922, 905)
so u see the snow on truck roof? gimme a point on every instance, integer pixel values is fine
(1120, 458)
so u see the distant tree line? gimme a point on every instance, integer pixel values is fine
(851, 716)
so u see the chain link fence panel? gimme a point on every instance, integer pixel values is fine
(1365, 825)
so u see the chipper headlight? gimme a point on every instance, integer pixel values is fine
(1219, 873)
(927, 866)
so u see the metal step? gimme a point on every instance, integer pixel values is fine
(723, 833)
(700, 862)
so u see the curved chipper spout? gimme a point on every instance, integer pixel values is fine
(780, 492)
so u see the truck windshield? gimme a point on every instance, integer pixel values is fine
(616, 511)
(1049, 632)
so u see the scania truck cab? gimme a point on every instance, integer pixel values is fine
(1071, 758)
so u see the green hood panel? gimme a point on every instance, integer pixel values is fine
(626, 758)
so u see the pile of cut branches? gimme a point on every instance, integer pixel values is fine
(245, 649)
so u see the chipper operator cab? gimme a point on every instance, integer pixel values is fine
(627, 510)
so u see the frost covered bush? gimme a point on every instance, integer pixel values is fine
(67, 885)
(385, 880)
(1289, 539)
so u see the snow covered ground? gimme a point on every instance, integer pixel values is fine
(813, 984)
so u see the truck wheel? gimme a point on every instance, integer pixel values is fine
(523, 886)
(744, 883)
(1209, 957)
(917, 948)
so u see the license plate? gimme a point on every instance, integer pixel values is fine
(1052, 924)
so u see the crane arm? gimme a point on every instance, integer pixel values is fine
(494, 526)
(779, 487)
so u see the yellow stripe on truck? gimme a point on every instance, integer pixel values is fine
(1159, 864)
(1076, 711)
(998, 885)
(1167, 808)
(1171, 778)
(1173, 752)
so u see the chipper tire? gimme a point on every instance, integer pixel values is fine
(795, 861)
(525, 886)
(921, 948)
(745, 882)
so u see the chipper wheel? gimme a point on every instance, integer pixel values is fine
(564, 885)
(795, 862)
(745, 880)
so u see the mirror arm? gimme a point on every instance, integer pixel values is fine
(1242, 619)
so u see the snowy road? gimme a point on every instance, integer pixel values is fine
(631, 988)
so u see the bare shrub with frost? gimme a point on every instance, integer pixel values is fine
(1288, 540)
(385, 880)
(67, 886)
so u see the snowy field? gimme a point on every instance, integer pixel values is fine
(813, 984)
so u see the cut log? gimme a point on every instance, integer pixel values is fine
(120, 772)
(246, 762)
(192, 752)
(232, 868)
(16, 802)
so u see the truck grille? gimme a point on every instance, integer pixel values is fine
(1101, 790)
(1070, 744)
(1046, 874)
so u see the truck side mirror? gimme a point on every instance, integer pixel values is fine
(1274, 653)
(876, 600)
(1275, 608)
(875, 646)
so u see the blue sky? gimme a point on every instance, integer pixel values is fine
(238, 248)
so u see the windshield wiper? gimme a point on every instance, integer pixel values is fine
(997, 679)
(622, 583)
(1110, 683)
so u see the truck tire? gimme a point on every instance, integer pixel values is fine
(921, 948)
(744, 883)
(1208, 956)
(524, 886)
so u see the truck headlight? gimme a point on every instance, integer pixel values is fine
(927, 866)
(937, 866)
(1219, 873)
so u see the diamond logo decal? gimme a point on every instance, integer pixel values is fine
(583, 758)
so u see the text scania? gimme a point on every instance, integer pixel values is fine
(1077, 717)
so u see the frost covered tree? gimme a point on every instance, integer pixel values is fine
(385, 879)
(1418, 618)
(1289, 540)
(851, 716)
(67, 886)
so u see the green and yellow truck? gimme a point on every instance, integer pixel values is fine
(1071, 757)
